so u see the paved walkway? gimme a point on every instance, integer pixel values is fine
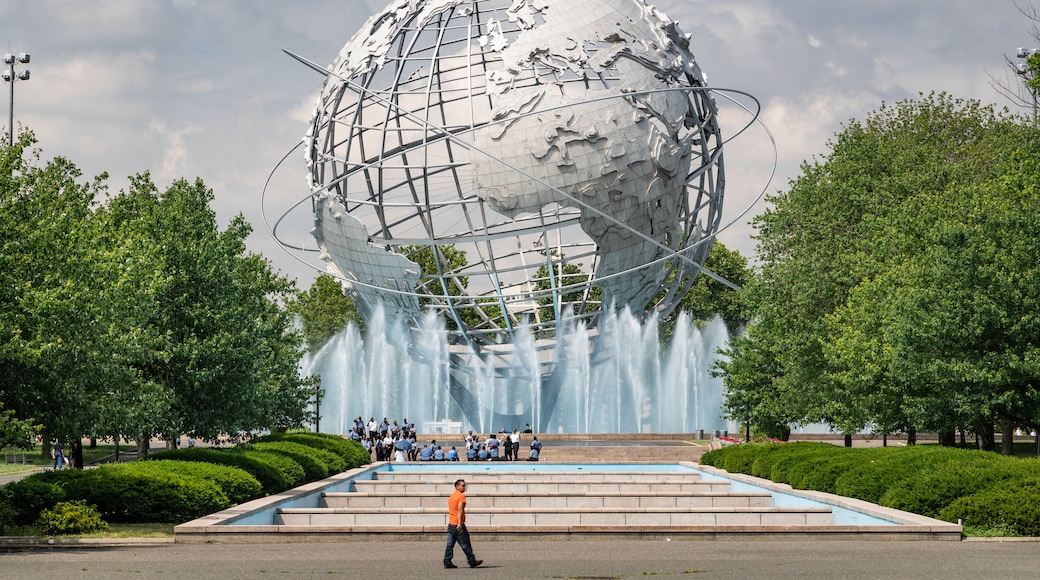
(586, 559)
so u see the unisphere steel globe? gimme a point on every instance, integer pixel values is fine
(515, 166)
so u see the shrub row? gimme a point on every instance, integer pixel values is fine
(980, 488)
(177, 485)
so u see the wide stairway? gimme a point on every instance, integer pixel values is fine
(540, 503)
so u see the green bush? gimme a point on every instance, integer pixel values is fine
(1015, 506)
(30, 496)
(71, 517)
(124, 493)
(344, 448)
(291, 470)
(331, 462)
(871, 478)
(358, 455)
(963, 474)
(818, 472)
(792, 465)
(237, 484)
(271, 479)
(313, 468)
(735, 458)
(7, 516)
(763, 464)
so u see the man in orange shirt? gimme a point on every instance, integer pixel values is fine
(457, 531)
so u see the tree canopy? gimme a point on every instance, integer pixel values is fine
(135, 315)
(898, 279)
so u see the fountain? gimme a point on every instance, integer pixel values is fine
(644, 387)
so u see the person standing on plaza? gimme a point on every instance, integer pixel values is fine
(514, 442)
(457, 531)
(59, 454)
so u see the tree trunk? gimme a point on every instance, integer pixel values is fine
(884, 440)
(93, 442)
(985, 433)
(911, 436)
(1007, 436)
(848, 440)
(77, 453)
(948, 438)
(142, 446)
(45, 448)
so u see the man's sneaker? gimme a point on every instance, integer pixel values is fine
(476, 563)
(450, 565)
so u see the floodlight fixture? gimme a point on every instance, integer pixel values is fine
(11, 76)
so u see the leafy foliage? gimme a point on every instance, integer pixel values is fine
(28, 497)
(984, 489)
(313, 468)
(271, 479)
(236, 483)
(71, 517)
(1014, 506)
(898, 279)
(324, 310)
(136, 316)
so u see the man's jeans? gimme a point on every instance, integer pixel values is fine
(461, 535)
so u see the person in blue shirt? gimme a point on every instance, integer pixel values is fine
(438, 454)
(426, 454)
(483, 455)
(452, 455)
(536, 449)
(471, 454)
(492, 444)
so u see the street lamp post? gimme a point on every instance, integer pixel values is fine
(11, 76)
(1024, 70)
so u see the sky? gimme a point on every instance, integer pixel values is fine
(201, 89)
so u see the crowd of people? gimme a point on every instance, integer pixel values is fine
(393, 441)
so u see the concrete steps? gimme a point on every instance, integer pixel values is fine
(619, 501)
(562, 502)
(498, 519)
(623, 453)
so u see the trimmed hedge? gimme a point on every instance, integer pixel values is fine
(928, 492)
(271, 479)
(352, 451)
(1014, 506)
(29, 496)
(293, 471)
(313, 468)
(330, 462)
(869, 480)
(126, 493)
(236, 483)
(981, 488)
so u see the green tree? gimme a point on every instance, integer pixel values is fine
(64, 332)
(15, 432)
(137, 316)
(847, 242)
(323, 311)
(708, 297)
(225, 352)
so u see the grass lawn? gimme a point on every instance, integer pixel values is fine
(34, 459)
(113, 531)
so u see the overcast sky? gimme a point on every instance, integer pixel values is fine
(186, 88)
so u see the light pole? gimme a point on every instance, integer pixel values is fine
(10, 76)
(1025, 71)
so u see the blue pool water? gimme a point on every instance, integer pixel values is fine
(842, 516)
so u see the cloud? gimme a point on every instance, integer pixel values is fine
(175, 158)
